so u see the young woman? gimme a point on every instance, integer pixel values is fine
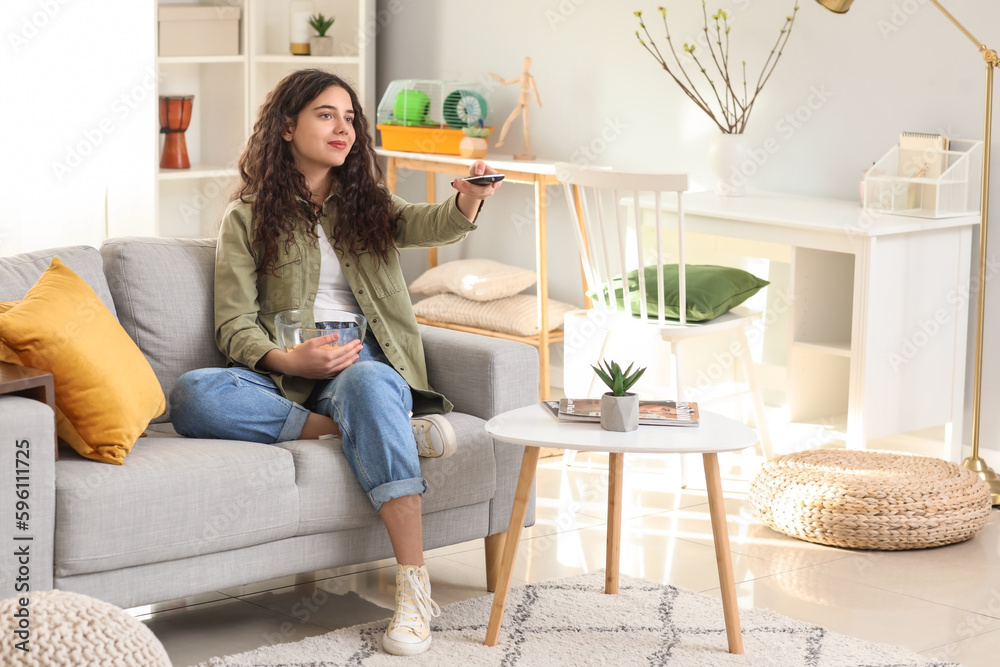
(310, 225)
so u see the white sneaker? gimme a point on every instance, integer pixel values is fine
(409, 631)
(434, 435)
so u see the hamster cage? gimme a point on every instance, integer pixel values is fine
(427, 116)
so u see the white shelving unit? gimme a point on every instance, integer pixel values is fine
(228, 91)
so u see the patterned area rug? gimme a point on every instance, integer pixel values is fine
(572, 622)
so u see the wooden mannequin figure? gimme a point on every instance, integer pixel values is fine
(523, 102)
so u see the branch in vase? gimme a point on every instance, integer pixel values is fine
(733, 110)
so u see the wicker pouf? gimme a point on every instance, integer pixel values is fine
(71, 629)
(870, 500)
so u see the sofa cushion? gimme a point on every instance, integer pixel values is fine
(173, 498)
(105, 391)
(164, 292)
(331, 498)
(19, 272)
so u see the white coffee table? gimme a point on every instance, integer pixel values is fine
(534, 428)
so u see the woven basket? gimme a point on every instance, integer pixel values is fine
(870, 500)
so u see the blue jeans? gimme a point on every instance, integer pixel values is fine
(370, 402)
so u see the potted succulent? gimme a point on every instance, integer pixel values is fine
(619, 408)
(474, 143)
(321, 44)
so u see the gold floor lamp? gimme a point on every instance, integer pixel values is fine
(973, 463)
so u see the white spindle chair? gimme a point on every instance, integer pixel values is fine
(605, 208)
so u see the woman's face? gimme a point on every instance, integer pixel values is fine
(323, 133)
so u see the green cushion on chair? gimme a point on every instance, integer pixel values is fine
(711, 290)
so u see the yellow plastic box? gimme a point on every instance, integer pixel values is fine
(421, 139)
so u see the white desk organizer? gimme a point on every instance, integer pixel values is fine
(955, 192)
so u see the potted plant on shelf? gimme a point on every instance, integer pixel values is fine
(723, 100)
(321, 44)
(474, 143)
(619, 408)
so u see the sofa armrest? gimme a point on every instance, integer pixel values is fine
(485, 376)
(482, 376)
(29, 471)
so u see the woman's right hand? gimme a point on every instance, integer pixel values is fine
(315, 359)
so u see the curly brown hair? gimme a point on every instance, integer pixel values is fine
(365, 218)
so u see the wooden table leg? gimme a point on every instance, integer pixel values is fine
(521, 496)
(390, 174)
(723, 556)
(541, 265)
(432, 253)
(616, 465)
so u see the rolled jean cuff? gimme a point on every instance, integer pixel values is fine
(294, 424)
(396, 489)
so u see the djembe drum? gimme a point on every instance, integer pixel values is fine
(175, 116)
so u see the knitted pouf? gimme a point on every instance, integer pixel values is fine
(869, 499)
(71, 629)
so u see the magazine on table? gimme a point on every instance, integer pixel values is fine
(653, 413)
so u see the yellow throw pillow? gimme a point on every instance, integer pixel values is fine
(106, 391)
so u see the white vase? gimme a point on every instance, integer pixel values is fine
(299, 29)
(728, 156)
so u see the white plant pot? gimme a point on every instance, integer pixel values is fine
(728, 156)
(619, 413)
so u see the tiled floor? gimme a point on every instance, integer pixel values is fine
(942, 602)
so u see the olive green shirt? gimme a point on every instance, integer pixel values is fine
(246, 303)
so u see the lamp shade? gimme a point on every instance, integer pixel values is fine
(839, 6)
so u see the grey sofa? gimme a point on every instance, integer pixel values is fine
(186, 516)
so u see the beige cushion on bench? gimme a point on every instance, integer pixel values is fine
(475, 279)
(517, 315)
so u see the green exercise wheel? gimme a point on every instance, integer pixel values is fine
(411, 107)
(464, 108)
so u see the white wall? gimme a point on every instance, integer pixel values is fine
(78, 121)
(883, 68)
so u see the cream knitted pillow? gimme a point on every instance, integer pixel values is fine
(66, 628)
(515, 315)
(476, 279)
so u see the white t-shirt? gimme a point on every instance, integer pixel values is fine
(334, 290)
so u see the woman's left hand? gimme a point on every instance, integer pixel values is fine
(470, 196)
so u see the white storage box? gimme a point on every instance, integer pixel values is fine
(199, 30)
(953, 190)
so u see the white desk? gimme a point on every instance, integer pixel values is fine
(533, 427)
(879, 307)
